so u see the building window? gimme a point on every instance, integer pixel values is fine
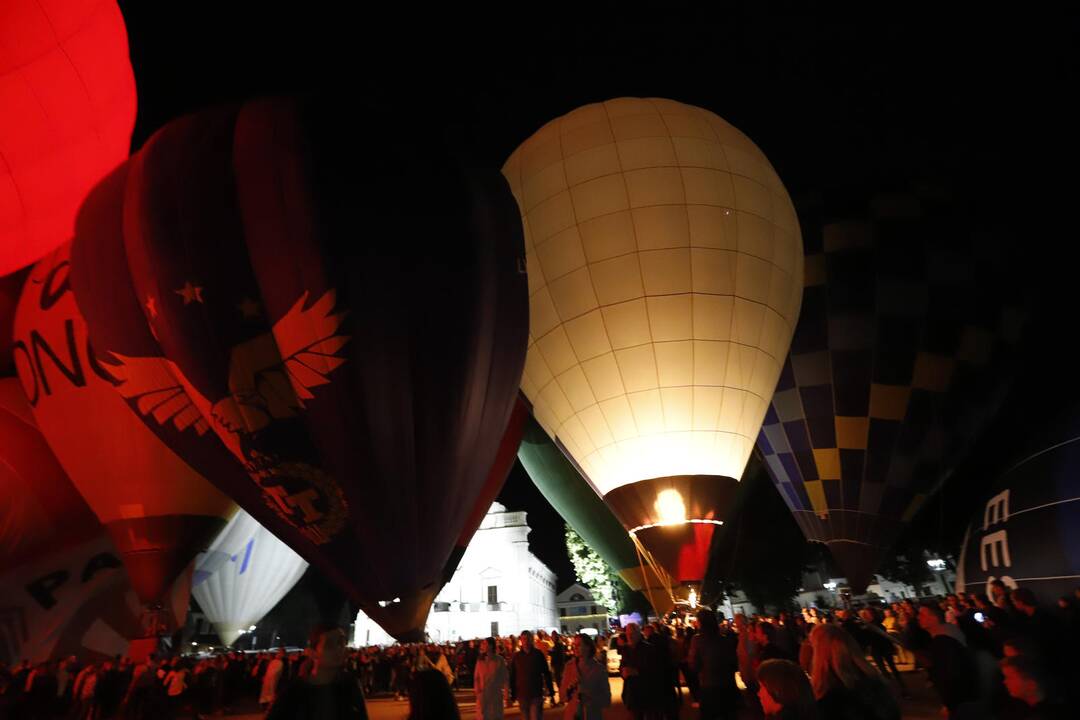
(594, 610)
(562, 612)
(495, 629)
(442, 607)
(493, 594)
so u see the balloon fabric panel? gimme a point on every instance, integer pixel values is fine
(68, 94)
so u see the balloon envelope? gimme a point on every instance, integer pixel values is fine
(897, 363)
(243, 575)
(665, 276)
(343, 305)
(1026, 529)
(158, 511)
(63, 590)
(68, 95)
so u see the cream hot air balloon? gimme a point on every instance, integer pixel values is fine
(243, 575)
(665, 271)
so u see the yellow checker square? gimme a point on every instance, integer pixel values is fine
(889, 402)
(852, 432)
(828, 463)
(816, 492)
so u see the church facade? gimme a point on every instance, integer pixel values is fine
(499, 588)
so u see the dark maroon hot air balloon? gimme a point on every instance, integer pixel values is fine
(345, 305)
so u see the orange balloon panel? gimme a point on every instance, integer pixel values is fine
(158, 510)
(68, 98)
(40, 511)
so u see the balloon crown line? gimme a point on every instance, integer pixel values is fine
(634, 531)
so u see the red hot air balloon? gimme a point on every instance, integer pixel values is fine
(68, 98)
(159, 512)
(345, 305)
(63, 590)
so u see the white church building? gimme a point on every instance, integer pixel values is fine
(499, 588)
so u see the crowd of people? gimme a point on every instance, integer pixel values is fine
(1005, 658)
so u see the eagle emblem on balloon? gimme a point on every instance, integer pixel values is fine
(271, 376)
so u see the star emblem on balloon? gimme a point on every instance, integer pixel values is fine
(190, 292)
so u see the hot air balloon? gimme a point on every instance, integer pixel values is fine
(158, 511)
(344, 305)
(898, 361)
(68, 95)
(563, 486)
(504, 460)
(1026, 528)
(665, 276)
(10, 287)
(243, 575)
(63, 590)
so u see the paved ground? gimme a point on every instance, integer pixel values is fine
(921, 706)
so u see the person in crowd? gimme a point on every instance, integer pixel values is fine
(271, 680)
(1028, 683)
(175, 683)
(530, 678)
(557, 658)
(763, 634)
(327, 692)
(712, 658)
(585, 687)
(785, 692)
(845, 686)
(490, 679)
(430, 697)
(952, 668)
(633, 667)
(881, 646)
(746, 652)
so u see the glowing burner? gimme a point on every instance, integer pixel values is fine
(670, 507)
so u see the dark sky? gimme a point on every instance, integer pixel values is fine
(832, 98)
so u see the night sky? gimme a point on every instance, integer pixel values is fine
(832, 99)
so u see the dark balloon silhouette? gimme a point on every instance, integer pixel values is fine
(342, 303)
(900, 358)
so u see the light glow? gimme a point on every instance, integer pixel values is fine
(670, 507)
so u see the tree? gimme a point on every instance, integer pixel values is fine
(593, 572)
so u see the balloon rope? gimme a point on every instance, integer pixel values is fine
(665, 579)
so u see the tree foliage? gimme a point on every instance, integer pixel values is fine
(594, 573)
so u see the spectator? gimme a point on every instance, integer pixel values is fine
(489, 682)
(585, 686)
(531, 676)
(430, 697)
(784, 691)
(952, 666)
(328, 692)
(712, 658)
(845, 686)
(1025, 681)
